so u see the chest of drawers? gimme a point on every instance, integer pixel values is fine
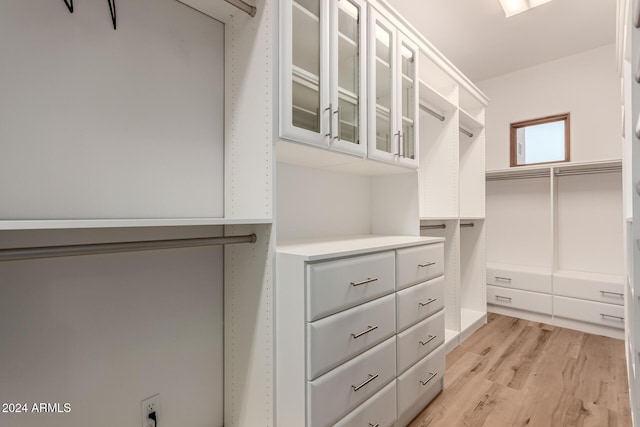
(359, 330)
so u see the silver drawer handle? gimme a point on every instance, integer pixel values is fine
(429, 264)
(618, 294)
(364, 282)
(505, 279)
(433, 375)
(423, 304)
(367, 381)
(431, 338)
(504, 298)
(605, 316)
(366, 331)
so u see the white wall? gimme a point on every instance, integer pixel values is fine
(313, 203)
(97, 123)
(103, 332)
(586, 85)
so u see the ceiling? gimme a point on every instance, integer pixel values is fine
(477, 38)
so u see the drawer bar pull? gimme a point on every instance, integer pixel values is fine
(366, 331)
(433, 375)
(424, 304)
(504, 279)
(504, 298)
(374, 425)
(429, 264)
(605, 316)
(367, 381)
(364, 282)
(431, 338)
(618, 294)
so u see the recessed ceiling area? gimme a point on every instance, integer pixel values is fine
(478, 39)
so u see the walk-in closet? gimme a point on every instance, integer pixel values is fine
(310, 213)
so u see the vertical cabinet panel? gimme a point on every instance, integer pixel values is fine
(408, 101)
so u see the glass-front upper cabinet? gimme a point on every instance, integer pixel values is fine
(393, 94)
(408, 101)
(322, 73)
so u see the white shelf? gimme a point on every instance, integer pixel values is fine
(439, 218)
(319, 249)
(124, 223)
(518, 267)
(469, 123)
(434, 100)
(542, 171)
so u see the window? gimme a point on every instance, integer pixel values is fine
(544, 140)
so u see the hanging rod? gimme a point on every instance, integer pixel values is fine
(470, 224)
(243, 6)
(588, 171)
(466, 132)
(16, 254)
(433, 113)
(432, 226)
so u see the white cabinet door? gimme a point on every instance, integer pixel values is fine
(383, 134)
(348, 76)
(304, 75)
(323, 77)
(407, 93)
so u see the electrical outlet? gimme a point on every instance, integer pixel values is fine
(149, 405)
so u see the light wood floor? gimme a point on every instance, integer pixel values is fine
(513, 372)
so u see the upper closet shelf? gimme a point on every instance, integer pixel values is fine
(124, 223)
(558, 169)
(432, 99)
(468, 122)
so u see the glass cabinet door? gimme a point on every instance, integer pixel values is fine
(305, 103)
(347, 83)
(408, 100)
(382, 137)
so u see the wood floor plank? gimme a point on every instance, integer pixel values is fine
(513, 372)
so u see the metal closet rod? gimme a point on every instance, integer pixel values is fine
(433, 113)
(466, 132)
(245, 7)
(432, 226)
(16, 254)
(470, 224)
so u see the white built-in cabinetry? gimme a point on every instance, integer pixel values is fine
(360, 320)
(628, 56)
(452, 190)
(554, 244)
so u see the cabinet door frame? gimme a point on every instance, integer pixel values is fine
(336, 143)
(402, 39)
(287, 129)
(373, 153)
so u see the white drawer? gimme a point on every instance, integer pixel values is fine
(420, 340)
(588, 311)
(420, 263)
(526, 279)
(420, 301)
(420, 379)
(521, 300)
(335, 285)
(337, 392)
(379, 410)
(337, 338)
(595, 287)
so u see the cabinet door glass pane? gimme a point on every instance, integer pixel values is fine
(408, 101)
(306, 64)
(349, 70)
(384, 43)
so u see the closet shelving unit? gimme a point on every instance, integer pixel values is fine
(628, 57)
(451, 181)
(552, 210)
